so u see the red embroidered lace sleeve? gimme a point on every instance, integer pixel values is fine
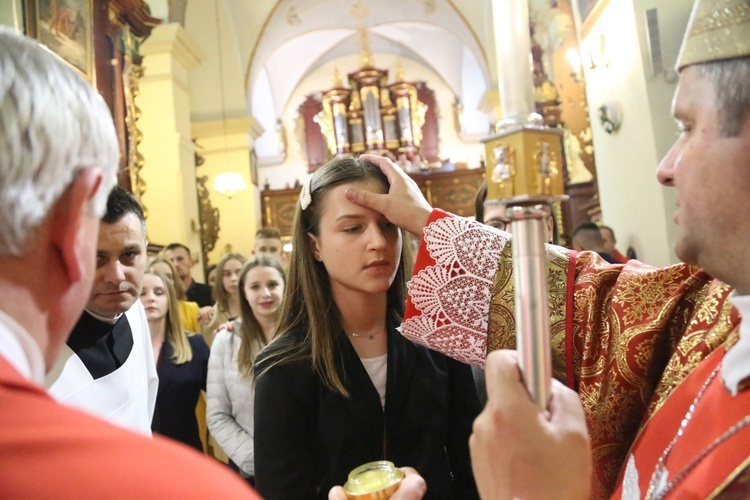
(449, 293)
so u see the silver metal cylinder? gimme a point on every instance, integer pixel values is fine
(532, 308)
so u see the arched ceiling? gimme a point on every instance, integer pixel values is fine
(299, 35)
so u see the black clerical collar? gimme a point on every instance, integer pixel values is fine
(102, 347)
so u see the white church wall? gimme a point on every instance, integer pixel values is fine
(632, 201)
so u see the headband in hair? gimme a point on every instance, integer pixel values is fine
(305, 197)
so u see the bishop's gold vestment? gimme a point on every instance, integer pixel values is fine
(623, 335)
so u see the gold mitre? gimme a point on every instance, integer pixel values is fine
(717, 30)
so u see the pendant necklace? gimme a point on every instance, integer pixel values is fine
(370, 336)
(660, 484)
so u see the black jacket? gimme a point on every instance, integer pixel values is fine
(308, 438)
(179, 389)
(200, 294)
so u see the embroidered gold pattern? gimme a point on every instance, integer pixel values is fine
(637, 333)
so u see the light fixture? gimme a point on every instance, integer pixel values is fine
(575, 63)
(229, 184)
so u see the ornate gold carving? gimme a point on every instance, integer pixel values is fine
(355, 104)
(418, 112)
(209, 216)
(325, 120)
(546, 161)
(505, 163)
(131, 74)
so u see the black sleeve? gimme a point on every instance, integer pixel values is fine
(464, 408)
(201, 352)
(285, 401)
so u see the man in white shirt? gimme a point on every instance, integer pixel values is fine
(107, 367)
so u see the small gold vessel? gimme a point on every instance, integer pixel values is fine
(373, 481)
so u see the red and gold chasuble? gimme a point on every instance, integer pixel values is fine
(712, 450)
(623, 335)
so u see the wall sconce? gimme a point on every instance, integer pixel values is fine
(575, 64)
(597, 53)
(229, 184)
(610, 116)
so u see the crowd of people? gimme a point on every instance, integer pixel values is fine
(295, 369)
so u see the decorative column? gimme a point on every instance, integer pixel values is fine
(523, 161)
(370, 81)
(335, 107)
(169, 154)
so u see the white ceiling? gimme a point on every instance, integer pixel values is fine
(299, 35)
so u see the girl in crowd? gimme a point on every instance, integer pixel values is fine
(339, 387)
(188, 310)
(230, 368)
(226, 293)
(182, 362)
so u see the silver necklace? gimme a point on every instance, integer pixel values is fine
(370, 336)
(660, 484)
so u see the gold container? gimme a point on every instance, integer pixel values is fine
(524, 163)
(373, 481)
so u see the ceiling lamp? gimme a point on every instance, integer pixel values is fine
(229, 184)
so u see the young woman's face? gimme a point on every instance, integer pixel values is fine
(359, 248)
(231, 276)
(154, 297)
(263, 290)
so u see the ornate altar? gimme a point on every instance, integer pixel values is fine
(371, 116)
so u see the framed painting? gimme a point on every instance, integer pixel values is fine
(590, 11)
(66, 28)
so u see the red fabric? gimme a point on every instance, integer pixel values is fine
(716, 412)
(630, 333)
(569, 322)
(50, 451)
(423, 259)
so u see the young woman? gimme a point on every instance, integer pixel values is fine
(188, 310)
(339, 387)
(182, 362)
(230, 367)
(226, 293)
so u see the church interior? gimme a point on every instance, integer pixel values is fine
(223, 107)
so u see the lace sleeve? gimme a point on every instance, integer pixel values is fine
(449, 294)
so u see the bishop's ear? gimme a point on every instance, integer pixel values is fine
(76, 225)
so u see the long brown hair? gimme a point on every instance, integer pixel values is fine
(308, 299)
(220, 295)
(175, 335)
(250, 331)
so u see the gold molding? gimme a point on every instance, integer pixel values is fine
(131, 75)
(209, 216)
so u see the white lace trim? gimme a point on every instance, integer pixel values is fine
(453, 296)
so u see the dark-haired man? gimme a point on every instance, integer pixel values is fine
(586, 237)
(108, 366)
(179, 255)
